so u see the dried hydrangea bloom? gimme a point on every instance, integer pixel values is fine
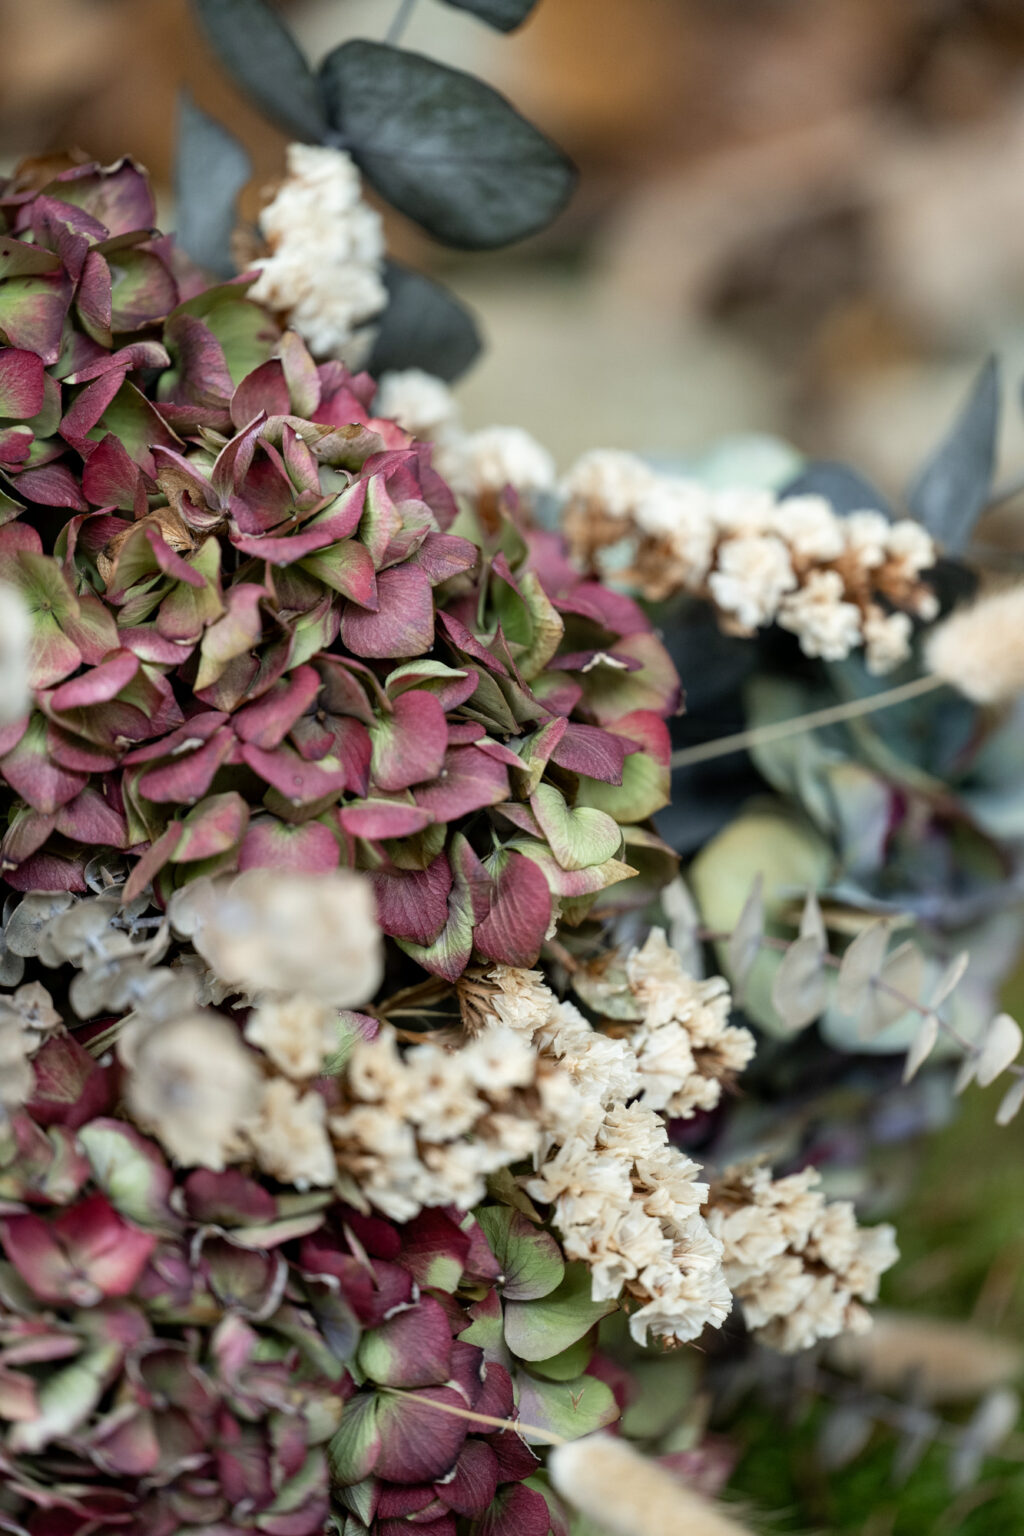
(324, 270)
(192, 1084)
(800, 1266)
(288, 1136)
(311, 933)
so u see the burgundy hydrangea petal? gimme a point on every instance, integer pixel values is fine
(40, 781)
(614, 611)
(411, 1349)
(419, 1443)
(471, 1491)
(98, 686)
(413, 903)
(378, 818)
(32, 313)
(184, 780)
(53, 486)
(21, 383)
(347, 568)
(71, 1088)
(47, 871)
(111, 478)
(404, 623)
(465, 641)
(265, 389)
(520, 915)
(409, 744)
(443, 556)
(298, 780)
(435, 1249)
(89, 818)
(471, 780)
(588, 750)
(395, 1503)
(117, 196)
(307, 847)
(517, 1511)
(211, 827)
(228, 1199)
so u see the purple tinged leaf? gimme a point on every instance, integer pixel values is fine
(111, 478)
(98, 686)
(418, 1443)
(264, 390)
(267, 721)
(212, 827)
(93, 299)
(71, 1087)
(32, 312)
(470, 781)
(378, 819)
(300, 781)
(645, 786)
(305, 848)
(577, 882)
(117, 196)
(443, 555)
(411, 1349)
(87, 1253)
(404, 622)
(21, 383)
(517, 1511)
(409, 744)
(228, 1199)
(32, 774)
(346, 568)
(530, 1259)
(472, 1490)
(233, 635)
(413, 904)
(435, 1250)
(129, 1170)
(520, 912)
(355, 1449)
(587, 750)
(52, 486)
(91, 819)
(184, 780)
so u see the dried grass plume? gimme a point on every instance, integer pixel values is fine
(629, 1495)
(979, 649)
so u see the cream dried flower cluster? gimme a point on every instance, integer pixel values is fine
(27, 1016)
(326, 251)
(760, 559)
(624, 1200)
(800, 1266)
(685, 1047)
(425, 1127)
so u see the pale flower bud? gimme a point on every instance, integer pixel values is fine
(15, 635)
(627, 1494)
(979, 649)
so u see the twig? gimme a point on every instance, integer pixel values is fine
(401, 21)
(835, 714)
(482, 1418)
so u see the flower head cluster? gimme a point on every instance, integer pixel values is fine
(800, 1266)
(324, 273)
(623, 1199)
(685, 1047)
(256, 642)
(837, 582)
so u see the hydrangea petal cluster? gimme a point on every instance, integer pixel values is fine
(260, 643)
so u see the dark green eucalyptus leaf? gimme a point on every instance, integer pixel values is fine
(424, 326)
(843, 487)
(259, 52)
(444, 148)
(506, 15)
(211, 168)
(954, 485)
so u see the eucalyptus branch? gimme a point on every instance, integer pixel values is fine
(401, 20)
(778, 730)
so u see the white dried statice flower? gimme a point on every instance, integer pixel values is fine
(741, 510)
(609, 482)
(887, 639)
(15, 642)
(324, 270)
(296, 1032)
(625, 1493)
(867, 537)
(809, 525)
(800, 1267)
(752, 574)
(483, 463)
(288, 1136)
(193, 1084)
(426, 1126)
(624, 1200)
(685, 1047)
(825, 625)
(419, 402)
(315, 934)
(979, 649)
(676, 516)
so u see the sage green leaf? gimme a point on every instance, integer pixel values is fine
(536, 1330)
(951, 490)
(580, 838)
(531, 1263)
(800, 988)
(442, 147)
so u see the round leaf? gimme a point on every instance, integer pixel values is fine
(531, 1264)
(444, 148)
(259, 52)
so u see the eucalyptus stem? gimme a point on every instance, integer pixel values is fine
(401, 21)
(835, 714)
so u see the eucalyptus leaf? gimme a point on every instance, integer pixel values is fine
(506, 15)
(1011, 1103)
(921, 1047)
(444, 148)
(843, 487)
(800, 988)
(424, 326)
(1000, 1046)
(745, 940)
(259, 52)
(211, 168)
(952, 489)
(861, 965)
(895, 991)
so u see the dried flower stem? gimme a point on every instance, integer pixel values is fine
(835, 714)
(517, 1425)
(400, 22)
